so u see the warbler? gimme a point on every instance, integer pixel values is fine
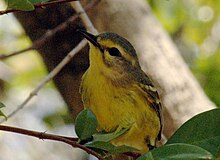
(119, 93)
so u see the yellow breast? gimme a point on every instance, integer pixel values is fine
(107, 102)
(120, 107)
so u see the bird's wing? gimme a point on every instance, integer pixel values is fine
(152, 97)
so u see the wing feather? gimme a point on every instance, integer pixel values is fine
(152, 97)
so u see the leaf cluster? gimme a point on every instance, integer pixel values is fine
(198, 138)
(86, 125)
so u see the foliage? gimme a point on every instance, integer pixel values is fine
(107, 137)
(111, 149)
(197, 139)
(178, 151)
(203, 130)
(183, 18)
(86, 124)
(24, 5)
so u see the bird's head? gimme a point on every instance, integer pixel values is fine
(111, 53)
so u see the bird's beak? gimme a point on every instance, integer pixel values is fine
(90, 37)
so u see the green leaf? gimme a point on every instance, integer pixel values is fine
(2, 105)
(111, 148)
(1, 113)
(23, 5)
(109, 136)
(178, 151)
(202, 130)
(85, 124)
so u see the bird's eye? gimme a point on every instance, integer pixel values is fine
(114, 52)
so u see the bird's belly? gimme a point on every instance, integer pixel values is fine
(117, 107)
(112, 110)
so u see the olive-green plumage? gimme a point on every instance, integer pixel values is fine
(119, 93)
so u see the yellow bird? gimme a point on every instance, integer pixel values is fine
(119, 93)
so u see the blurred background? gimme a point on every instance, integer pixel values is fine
(194, 26)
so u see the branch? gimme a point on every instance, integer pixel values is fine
(68, 140)
(45, 136)
(38, 5)
(4, 56)
(50, 33)
(84, 17)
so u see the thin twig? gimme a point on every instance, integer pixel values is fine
(38, 5)
(50, 33)
(84, 17)
(4, 56)
(45, 136)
